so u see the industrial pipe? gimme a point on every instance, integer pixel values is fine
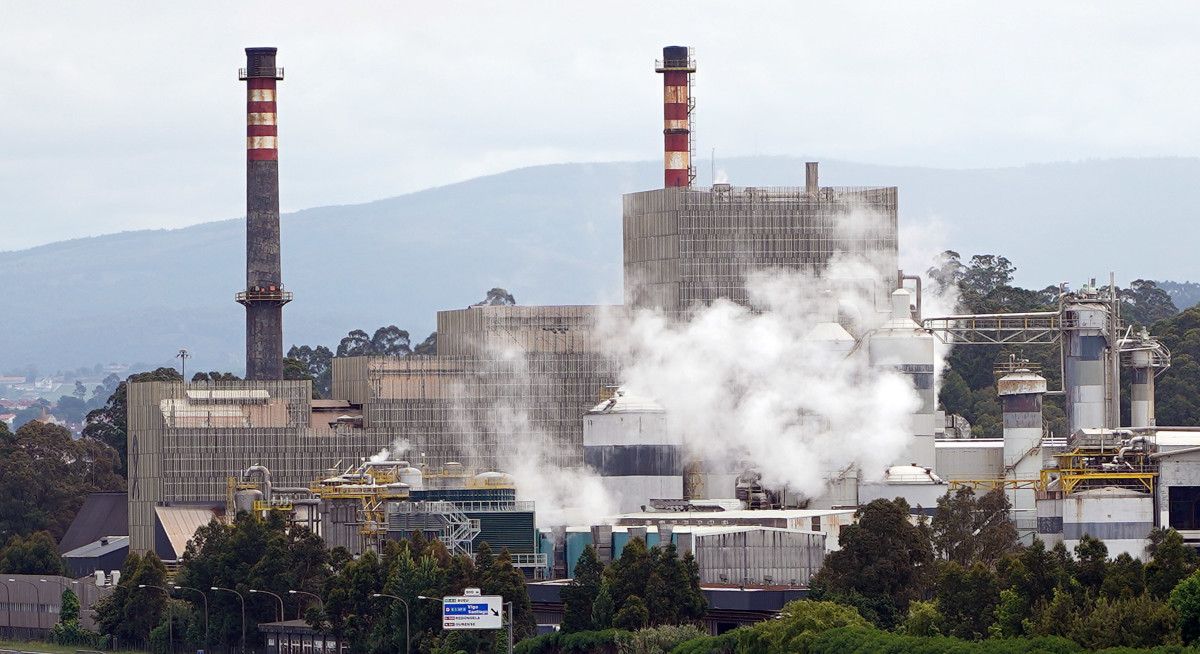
(266, 479)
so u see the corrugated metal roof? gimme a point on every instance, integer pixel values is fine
(102, 514)
(181, 522)
(99, 548)
(624, 402)
(970, 443)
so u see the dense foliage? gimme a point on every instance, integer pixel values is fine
(316, 362)
(1178, 389)
(109, 423)
(45, 475)
(644, 587)
(983, 284)
(36, 554)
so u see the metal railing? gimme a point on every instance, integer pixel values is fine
(270, 73)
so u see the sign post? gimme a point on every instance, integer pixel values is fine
(473, 612)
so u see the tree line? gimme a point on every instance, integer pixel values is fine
(983, 284)
(316, 362)
(342, 597)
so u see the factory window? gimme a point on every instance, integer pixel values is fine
(1184, 505)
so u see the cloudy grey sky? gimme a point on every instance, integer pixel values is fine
(124, 115)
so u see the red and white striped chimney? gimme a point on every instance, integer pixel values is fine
(677, 67)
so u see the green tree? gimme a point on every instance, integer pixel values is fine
(967, 599)
(497, 297)
(1171, 561)
(108, 424)
(579, 595)
(602, 608)
(923, 619)
(35, 555)
(1139, 622)
(1124, 578)
(628, 575)
(45, 475)
(884, 557)
(955, 394)
(632, 615)
(315, 363)
(508, 582)
(1091, 556)
(68, 631)
(1185, 600)
(799, 621)
(966, 529)
(129, 612)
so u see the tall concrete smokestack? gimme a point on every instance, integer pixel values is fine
(264, 296)
(677, 67)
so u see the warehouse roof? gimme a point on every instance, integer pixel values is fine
(102, 514)
(625, 402)
(99, 548)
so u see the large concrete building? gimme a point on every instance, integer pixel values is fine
(687, 246)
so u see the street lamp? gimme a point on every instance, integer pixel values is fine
(267, 592)
(407, 631)
(197, 590)
(243, 601)
(320, 601)
(37, 593)
(170, 618)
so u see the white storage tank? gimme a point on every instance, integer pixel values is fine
(1120, 517)
(626, 440)
(902, 345)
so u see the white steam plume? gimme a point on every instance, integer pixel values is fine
(752, 385)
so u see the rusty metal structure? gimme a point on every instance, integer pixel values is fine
(264, 295)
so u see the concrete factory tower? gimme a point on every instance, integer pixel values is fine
(264, 296)
(677, 68)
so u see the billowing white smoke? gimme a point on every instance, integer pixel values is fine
(562, 495)
(921, 244)
(759, 387)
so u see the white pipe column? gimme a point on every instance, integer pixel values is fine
(1141, 390)
(1021, 392)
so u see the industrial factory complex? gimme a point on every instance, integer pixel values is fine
(432, 443)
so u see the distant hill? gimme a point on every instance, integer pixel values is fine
(549, 234)
(1185, 295)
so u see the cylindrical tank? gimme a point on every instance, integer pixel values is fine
(413, 477)
(1085, 370)
(1141, 389)
(901, 345)
(1021, 392)
(244, 500)
(626, 440)
(492, 478)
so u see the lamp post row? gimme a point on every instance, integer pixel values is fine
(242, 601)
(37, 592)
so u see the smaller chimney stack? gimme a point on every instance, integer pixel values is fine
(811, 184)
(677, 67)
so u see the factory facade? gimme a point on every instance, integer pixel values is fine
(506, 376)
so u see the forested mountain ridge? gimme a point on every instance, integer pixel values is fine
(550, 234)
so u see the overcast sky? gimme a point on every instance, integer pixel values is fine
(118, 116)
